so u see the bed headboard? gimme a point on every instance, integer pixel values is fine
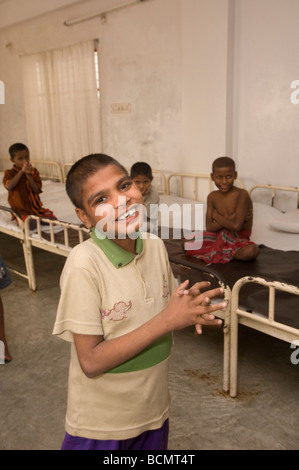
(5, 163)
(159, 180)
(195, 186)
(265, 189)
(47, 169)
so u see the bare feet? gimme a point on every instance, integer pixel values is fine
(4, 353)
(7, 357)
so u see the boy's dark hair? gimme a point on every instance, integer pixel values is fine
(14, 148)
(82, 170)
(222, 162)
(141, 168)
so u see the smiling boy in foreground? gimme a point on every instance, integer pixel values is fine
(119, 306)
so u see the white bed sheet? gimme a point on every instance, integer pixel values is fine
(262, 232)
(180, 213)
(5, 217)
(53, 197)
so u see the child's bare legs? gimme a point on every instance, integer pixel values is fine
(7, 356)
(247, 253)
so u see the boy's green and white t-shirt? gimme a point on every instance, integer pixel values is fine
(107, 291)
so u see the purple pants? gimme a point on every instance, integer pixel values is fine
(148, 440)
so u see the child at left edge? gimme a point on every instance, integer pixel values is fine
(24, 185)
(5, 281)
(118, 307)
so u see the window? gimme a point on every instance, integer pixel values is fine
(97, 66)
(62, 102)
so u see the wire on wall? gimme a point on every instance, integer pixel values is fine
(102, 13)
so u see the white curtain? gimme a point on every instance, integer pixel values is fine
(62, 104)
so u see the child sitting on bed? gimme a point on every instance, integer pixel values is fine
(141, 174)
(228, 219)
(24, 185)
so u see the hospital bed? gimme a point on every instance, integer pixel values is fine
(54, 236)
(57, 236)
(275, 230)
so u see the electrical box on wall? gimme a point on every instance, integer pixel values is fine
(120, 108)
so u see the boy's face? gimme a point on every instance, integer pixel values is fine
(144, 184)
(112, 203)
(224, 178)
(20, 158)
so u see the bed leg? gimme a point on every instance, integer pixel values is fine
(226, 353)
(234, 348)
(29, 265)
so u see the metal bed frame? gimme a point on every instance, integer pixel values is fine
(224, 314)
(159, 177)
(192, 181)
(274, 190)
(232, 316)
(267, 325)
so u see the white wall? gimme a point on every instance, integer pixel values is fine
(266, 137)
(141, 64)
(38, 34)
(203, 78)
(205, 93)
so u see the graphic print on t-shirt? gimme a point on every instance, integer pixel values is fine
(118, 312)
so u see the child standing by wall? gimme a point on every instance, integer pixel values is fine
(118, 308)
(24, 184)
(229, 219)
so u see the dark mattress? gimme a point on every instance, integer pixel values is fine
(271, 265)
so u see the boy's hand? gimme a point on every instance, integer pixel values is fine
(27, 168)
(192, 307)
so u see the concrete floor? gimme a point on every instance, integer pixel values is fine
(264, 416)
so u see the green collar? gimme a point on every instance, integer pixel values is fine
(115, 253)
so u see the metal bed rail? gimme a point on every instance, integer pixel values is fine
(192, 182)
(160, 180)
(20, 235)
(37, 239)
(47, 169)
(224, 314)
(264, 324)
(274, 190)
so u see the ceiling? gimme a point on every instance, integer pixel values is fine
(15, 11)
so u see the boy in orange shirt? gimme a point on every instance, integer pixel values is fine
(24, 185)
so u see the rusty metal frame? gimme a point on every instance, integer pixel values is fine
(274, 189)
(267, 325)
(194, 178)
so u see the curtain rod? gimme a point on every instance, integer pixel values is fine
(102, 13)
